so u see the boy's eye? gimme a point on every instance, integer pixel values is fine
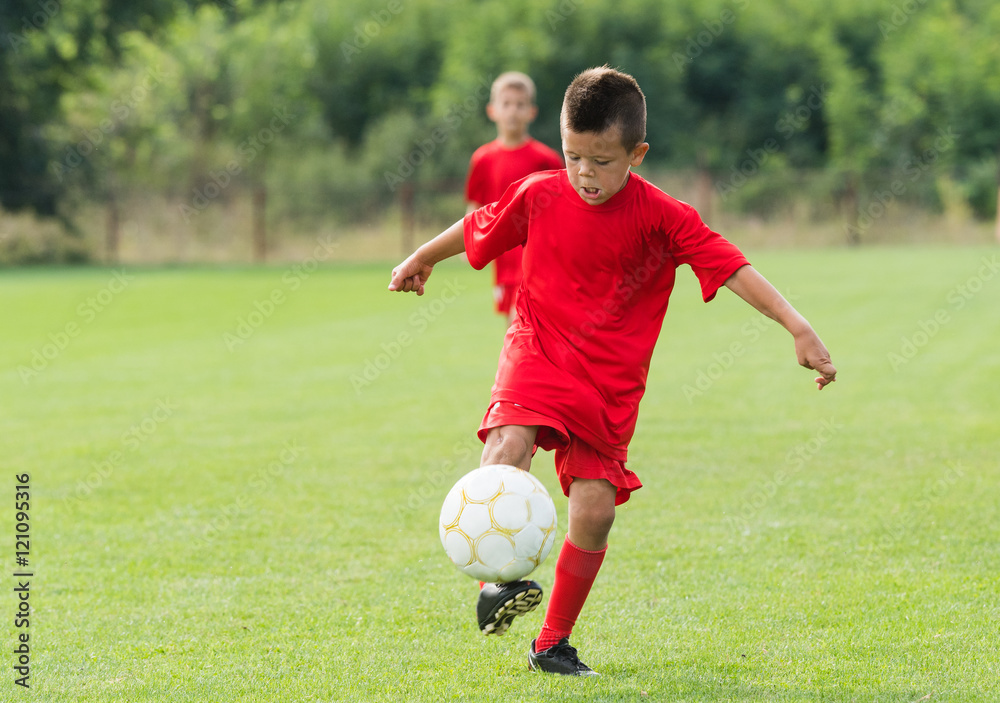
(573, 158)
(601, 163)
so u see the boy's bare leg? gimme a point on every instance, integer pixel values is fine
(591, 514)
(511, 445)
(500, 603)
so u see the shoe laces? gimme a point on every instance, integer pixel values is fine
(565, 649)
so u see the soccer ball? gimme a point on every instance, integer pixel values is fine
(498, 523)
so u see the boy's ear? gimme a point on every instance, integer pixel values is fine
(489, 112)
(638, 154)
(534, 114)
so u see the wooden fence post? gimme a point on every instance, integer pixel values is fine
(408, 212)
(259, 199)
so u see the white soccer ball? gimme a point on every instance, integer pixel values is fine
(498, 523)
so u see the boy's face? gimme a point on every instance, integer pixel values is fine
(512, 111)
(597, 163)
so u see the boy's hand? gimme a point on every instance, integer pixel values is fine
(411, 275)
(813, 355)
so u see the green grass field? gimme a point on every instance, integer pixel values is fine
(236, 473)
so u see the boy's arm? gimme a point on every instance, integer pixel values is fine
(412, 274)
(754, 288)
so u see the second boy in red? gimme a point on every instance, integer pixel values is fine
(492, 169)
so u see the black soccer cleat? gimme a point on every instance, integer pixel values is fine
(500, 603)
(558, 659)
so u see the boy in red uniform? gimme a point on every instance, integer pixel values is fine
(507, 159)
(601, 246)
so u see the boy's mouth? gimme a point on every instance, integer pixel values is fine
(590, 193)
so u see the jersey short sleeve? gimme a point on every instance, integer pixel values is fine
(493, 229)
(712, 257)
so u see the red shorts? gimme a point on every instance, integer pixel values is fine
(574, 458)
(504, 295)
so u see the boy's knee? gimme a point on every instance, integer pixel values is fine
(505, 446)
(592, 507)
(589, 527)
(599, 518)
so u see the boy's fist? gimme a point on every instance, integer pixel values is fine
(813, 355)
(411, 275)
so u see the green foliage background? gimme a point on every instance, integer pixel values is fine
(106, 99)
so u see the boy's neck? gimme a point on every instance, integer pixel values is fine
(511, 141)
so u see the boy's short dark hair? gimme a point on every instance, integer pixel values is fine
(601, 98)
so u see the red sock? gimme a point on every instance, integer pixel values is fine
(576, 570)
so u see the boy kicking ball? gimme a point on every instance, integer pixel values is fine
(601, 247)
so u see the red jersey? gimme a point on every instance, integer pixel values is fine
(492, 169)
(596, 284)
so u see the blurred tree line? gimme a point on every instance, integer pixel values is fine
(318, 109)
